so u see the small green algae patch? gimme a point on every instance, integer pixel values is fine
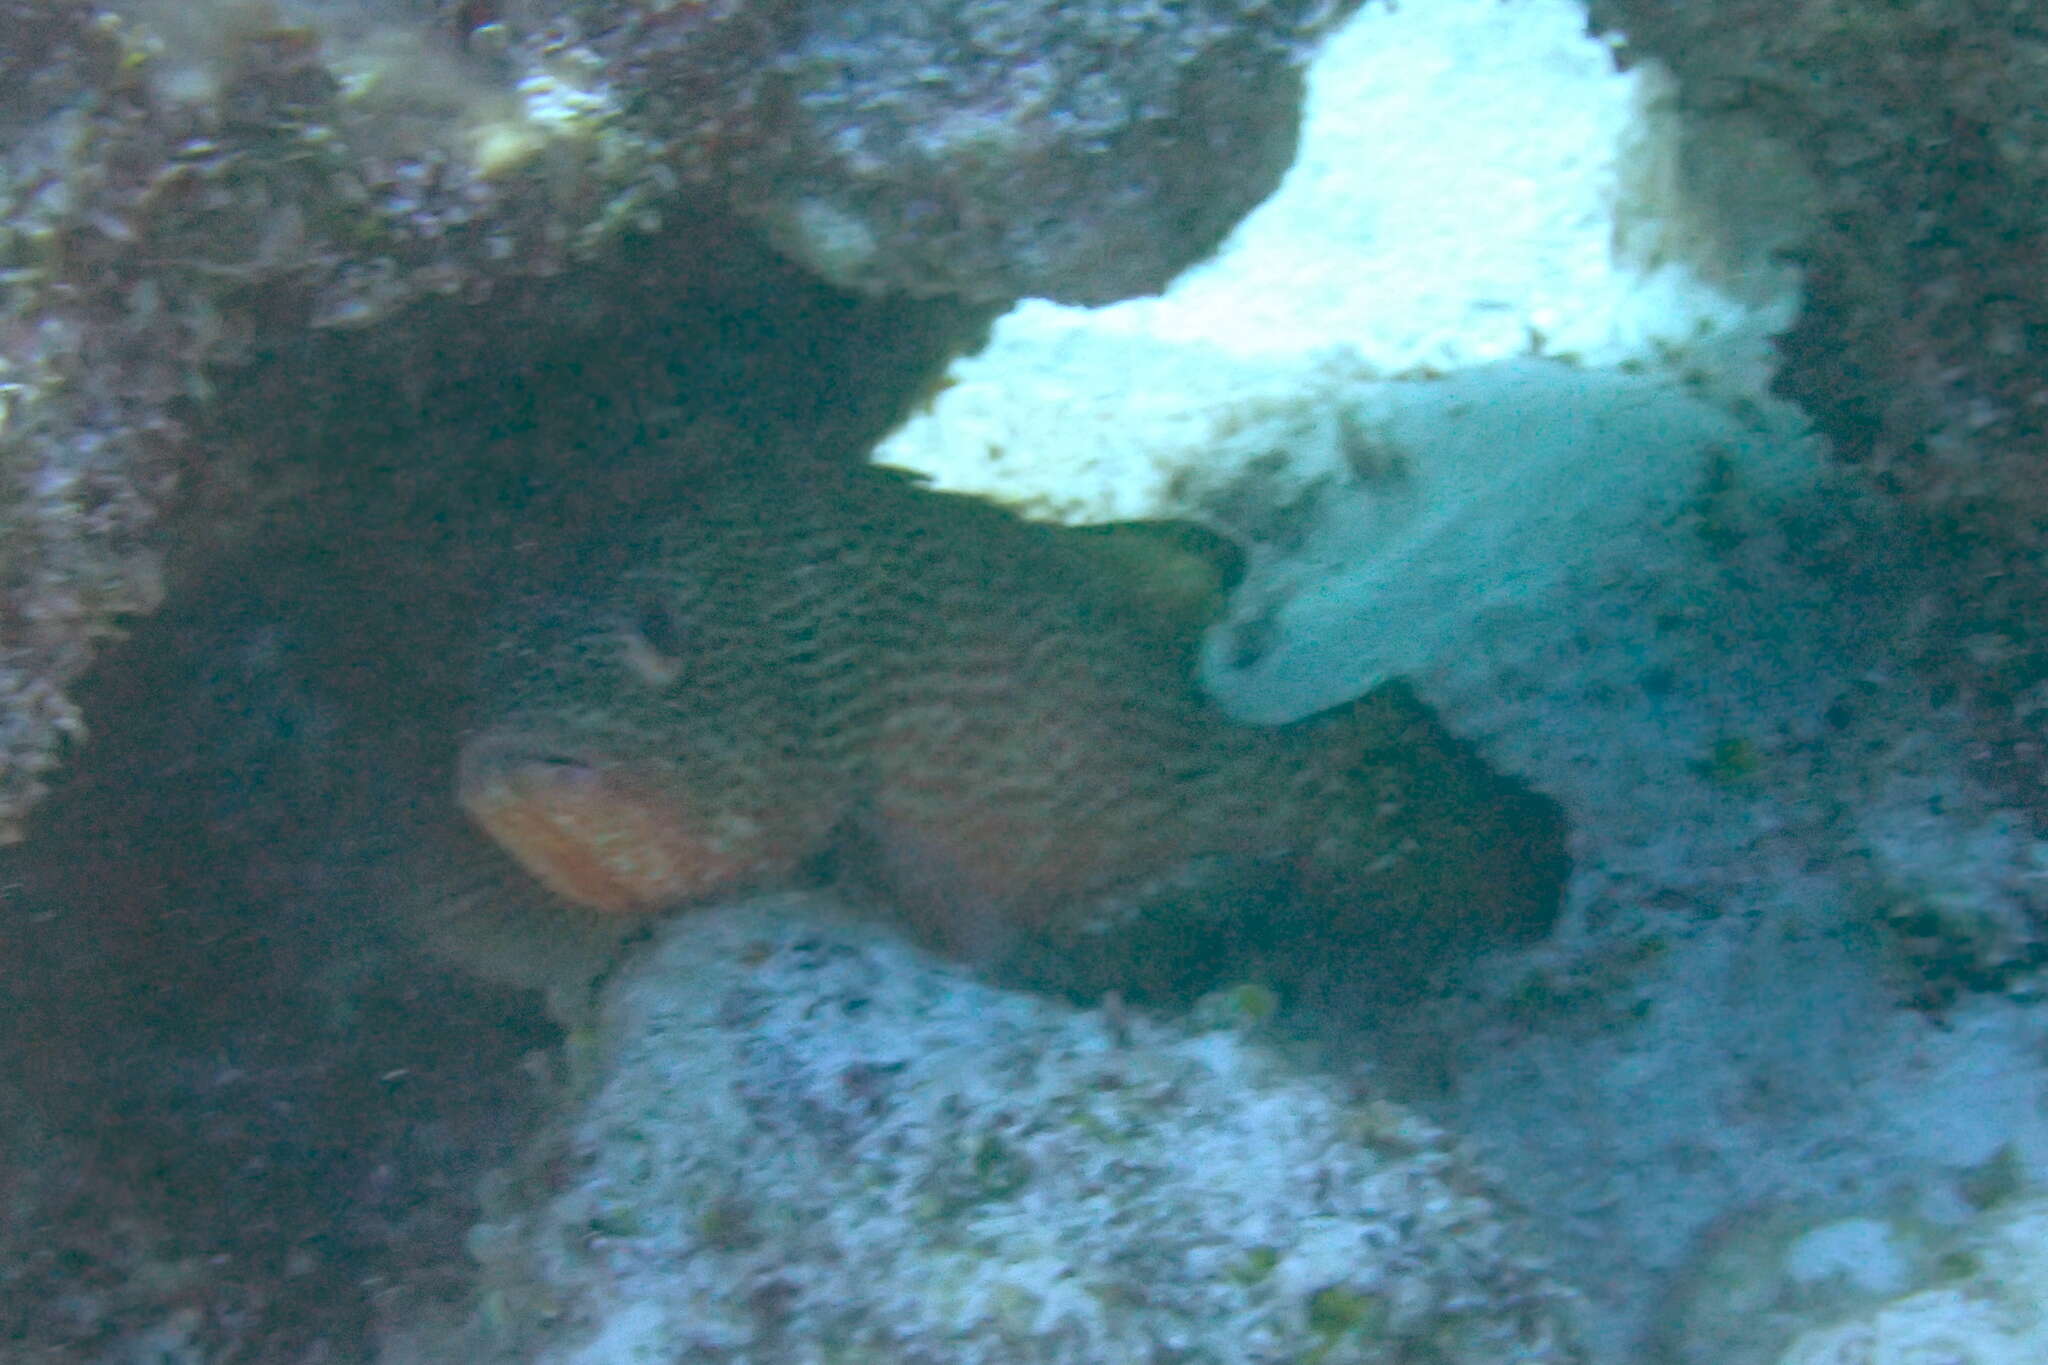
(1340, 1316)
(1255, 1266)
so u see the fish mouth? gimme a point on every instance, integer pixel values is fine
(603, 833)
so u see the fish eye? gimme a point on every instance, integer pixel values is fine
(655, 643)
(655, 622)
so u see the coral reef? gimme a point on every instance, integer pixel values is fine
(236, 1123)
(1793, 960)
(1982, 1306)
(259, 1104)
(1614, 236)
(1009, 148)
(959, 704)
(84, 462)
(400, 306)
(1907, 1278)
(1925, 334)
(1802, 947)
(1920, 351)
(805, 1141)
(190, 191)
(1405, 410)
(1761, 1276)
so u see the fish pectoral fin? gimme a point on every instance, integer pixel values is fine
(938, 883)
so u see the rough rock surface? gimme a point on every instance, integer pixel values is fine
(85, 435)
(234, 1123)
(1923, 344)
(191, 191)
(1803, 948)
(1986, 1309)
(1801, 954)
(1009, 148)
(806, 1142)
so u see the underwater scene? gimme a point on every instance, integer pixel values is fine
(1023, 682)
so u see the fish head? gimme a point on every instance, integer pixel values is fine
(600, 829)
(627, 759)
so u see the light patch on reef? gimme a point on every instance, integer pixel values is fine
(421, 92)
(1504, 304)
(548, 107)
(1987, 1309)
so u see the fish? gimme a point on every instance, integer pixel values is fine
(833, 670)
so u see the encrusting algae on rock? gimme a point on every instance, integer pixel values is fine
(964, 711)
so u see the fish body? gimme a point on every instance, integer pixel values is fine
(959, 701)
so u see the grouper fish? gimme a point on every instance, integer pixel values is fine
(836, 664)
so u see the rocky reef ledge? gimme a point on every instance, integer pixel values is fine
(809, 1142)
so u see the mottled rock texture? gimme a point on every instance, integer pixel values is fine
(1924, 343)
(227, 1108)
(806, 1142)
(190, 193)
(1985, 1310)
(81, 444)
(997, 149)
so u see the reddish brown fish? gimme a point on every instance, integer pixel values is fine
(961, 701)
